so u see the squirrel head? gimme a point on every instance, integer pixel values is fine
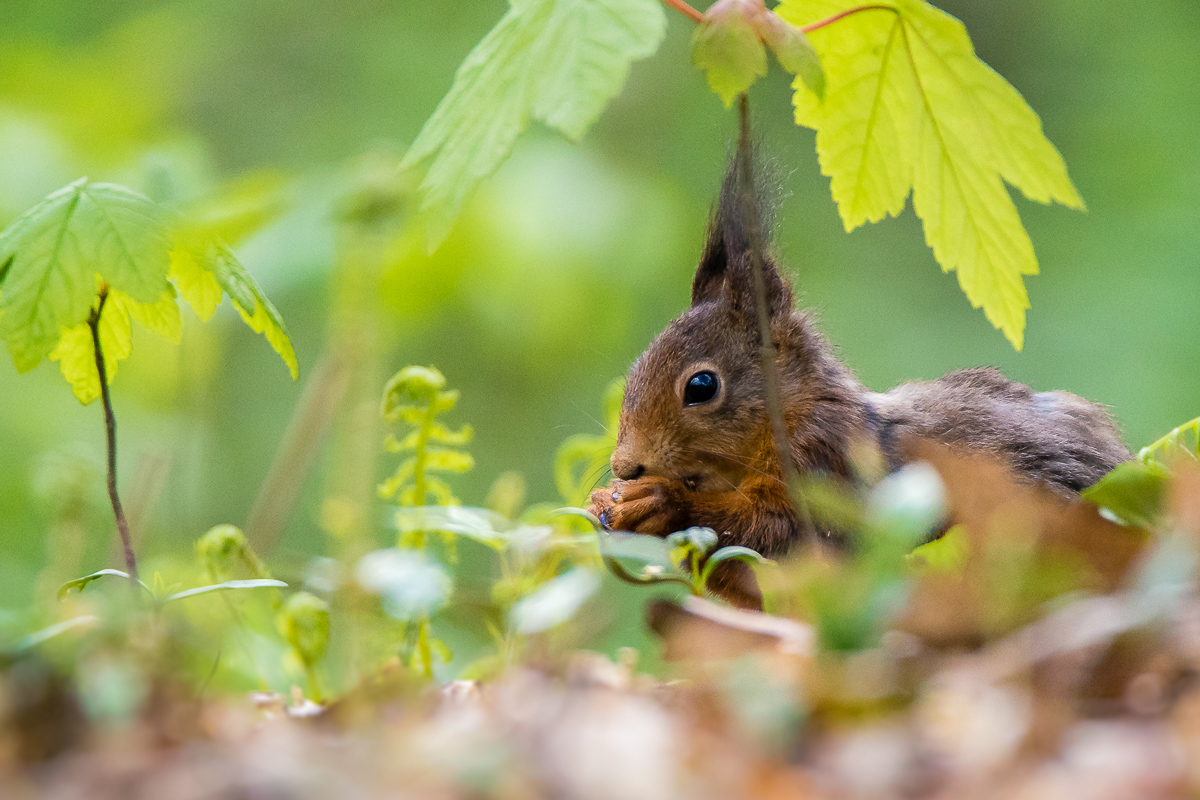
(695, 406)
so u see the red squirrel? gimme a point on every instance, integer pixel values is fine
(696, 448)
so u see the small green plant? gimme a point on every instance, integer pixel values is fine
(222, 547)
(415, 397)
(690, 553)
(160, 596)
(78, 266)
(547, 569)
(685, 557)
(1134, 493)
(304, 622)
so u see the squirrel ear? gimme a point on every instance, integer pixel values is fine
(725, 269)
(709, 283)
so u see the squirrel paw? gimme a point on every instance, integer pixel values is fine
(649, 505)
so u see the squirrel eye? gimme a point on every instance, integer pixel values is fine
(700, 388)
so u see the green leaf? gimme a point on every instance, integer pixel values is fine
(445, 401)
(1181, 443)
(440, 433)
(405, 445)
(647, 550)
(80, 583)
(650, 551)
(698, 539)
(727, 47)
(60, 252)
(581, 513)
(223, 546)
(53, 631)
(731, 553)
(442, 460)
(254, 583)
(197, 285)
(907, 506)
(86, 237)
(241, 208)
(398, 479)
(794, 51)
(946, 554)
(1132, 494)
(481, 524)
(411, 586)
(76, 353)
(555, 601)
(558, 61)
(413, 384)
(909, 107)
(204, 267)
(305, 624)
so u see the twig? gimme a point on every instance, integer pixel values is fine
(748, 211)
(110, 430)
(696, 16)
(685, 9)
(821, 23)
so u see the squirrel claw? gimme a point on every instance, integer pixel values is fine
(647, 505)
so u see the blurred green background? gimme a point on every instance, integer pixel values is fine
(564, 265)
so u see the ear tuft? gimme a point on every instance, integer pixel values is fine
(725, 268)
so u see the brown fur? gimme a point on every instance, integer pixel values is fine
(715, 464)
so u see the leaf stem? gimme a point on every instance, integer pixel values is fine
(110, 430)
(821, 23)
(314, 682)
(696, 16)
(423, 651)
(683, 8)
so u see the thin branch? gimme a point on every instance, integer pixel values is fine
(696, 16)
(821, 23)
(748, 211)
(685, 9)
(110, 430)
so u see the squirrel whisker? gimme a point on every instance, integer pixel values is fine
(737, 461)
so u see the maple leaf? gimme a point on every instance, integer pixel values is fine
(908, 107)
(55, 254)
(92, 238)
(76, 353)
(204, 268)
(558, 61)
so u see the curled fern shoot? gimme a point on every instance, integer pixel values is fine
(304, 623)
(415, 397)
(226, 545)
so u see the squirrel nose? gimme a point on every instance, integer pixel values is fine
(629, 472)
(626, 468)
